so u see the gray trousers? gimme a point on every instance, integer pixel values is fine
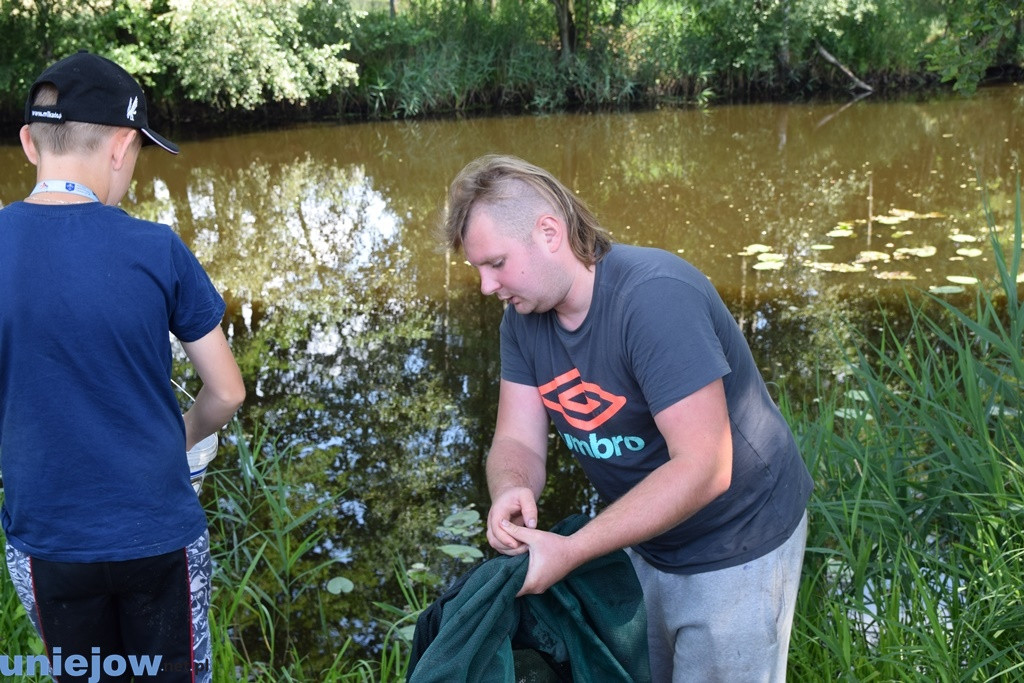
(730, 625)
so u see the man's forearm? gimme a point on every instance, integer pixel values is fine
(667, 497)
(510, 464)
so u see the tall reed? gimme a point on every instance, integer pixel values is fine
(916, 543)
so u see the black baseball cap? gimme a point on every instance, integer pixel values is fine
(93, 89)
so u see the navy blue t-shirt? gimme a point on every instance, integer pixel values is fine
(656, 332)
(92, 443)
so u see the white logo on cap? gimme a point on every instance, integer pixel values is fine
(133, 106)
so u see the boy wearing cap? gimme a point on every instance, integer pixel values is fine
(106, 539)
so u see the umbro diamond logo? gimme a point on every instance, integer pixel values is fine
(584, 405)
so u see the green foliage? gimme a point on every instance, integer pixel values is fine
(445, 59)
(314, 58)
(230, 55)
(736, 47)
(38, 33)
(977, 34)
(265, 534)
(913, 563)
(878, 37)
(463, 525)
(240, 54)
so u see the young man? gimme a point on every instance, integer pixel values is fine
(106, 540)
(646, 377)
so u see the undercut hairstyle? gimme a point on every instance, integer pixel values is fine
(67, 137)
(514, 193)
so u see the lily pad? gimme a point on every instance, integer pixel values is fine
(922, 252)
(895, 275)
(836, 267)
(822, 247)
(946, 289)
(907, 213)
(960, 237)
(752, 249)
(869, 256)
(962, 279)
(969, 252)
(462, 518)
(339, 585)
(841, 230)
(464, 523)
(464, 553)
(769, 261)
(420, 573)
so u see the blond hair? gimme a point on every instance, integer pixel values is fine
(514, 193)
(67, 137)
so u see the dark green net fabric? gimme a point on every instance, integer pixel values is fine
(589, 627)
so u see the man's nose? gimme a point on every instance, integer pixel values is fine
(488, 285)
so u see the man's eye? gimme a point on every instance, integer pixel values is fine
(498, 264)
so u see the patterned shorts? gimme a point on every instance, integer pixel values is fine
(110, 612)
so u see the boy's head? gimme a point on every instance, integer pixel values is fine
(76, 99)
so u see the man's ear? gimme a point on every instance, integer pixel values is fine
(29, 147)
(552, 231)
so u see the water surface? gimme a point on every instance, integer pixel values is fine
(372, 356)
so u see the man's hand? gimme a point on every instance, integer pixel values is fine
(516, 506)
(552, 557)
(516, 464)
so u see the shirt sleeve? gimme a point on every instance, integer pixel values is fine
(671, 341)
(198, 306)
(514, 366)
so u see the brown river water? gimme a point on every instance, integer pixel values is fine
(371, 357)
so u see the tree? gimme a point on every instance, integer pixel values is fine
(243, 53)
(565, 14)
(979, 34)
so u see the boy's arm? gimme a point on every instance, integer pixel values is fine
(222, 392)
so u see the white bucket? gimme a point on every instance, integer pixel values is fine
(199, 457)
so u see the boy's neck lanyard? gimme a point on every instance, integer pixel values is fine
(67, 187)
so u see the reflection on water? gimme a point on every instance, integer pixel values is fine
(375, 357)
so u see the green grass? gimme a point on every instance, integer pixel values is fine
(916, 546)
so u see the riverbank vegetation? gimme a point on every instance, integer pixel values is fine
(916, 528)
(915, 550)
(277, 61)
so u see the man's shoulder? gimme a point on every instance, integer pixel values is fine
(637, 264)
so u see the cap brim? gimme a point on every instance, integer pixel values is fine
(159, 140)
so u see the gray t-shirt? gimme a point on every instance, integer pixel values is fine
(656, 332)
